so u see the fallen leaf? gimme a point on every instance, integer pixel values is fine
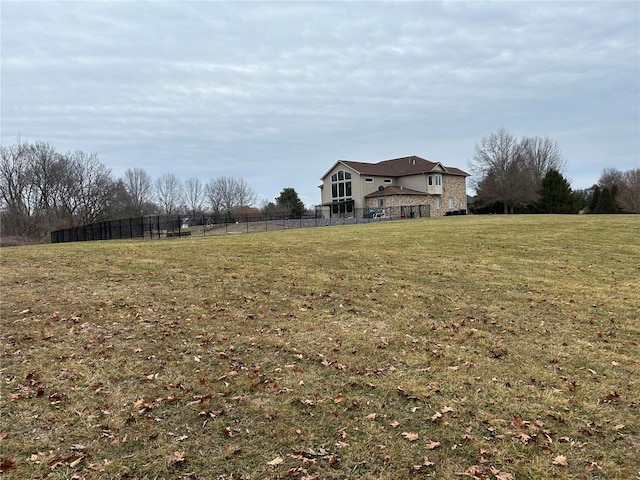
(276, 461)
(4, 434)
(412, 437)
(176, 457)
(524, 438)
(612, 397)
(504, 476)
(338, 399)
(7, 465)
(77, 461)
(561, 461)
(592, 467)
(371, 416)
(433, 445)
(421, 468)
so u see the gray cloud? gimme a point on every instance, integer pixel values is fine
(275, 92)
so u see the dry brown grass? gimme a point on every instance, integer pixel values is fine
(486, 347)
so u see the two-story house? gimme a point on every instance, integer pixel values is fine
(351, 187)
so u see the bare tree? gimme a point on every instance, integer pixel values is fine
(194, 194)
(509, 171)
(500, 172)
(169, 193)
(15, 187)
(139, 188)
(47, 172)
(42, 189)
(87, 189)
(610, 178)
(245, 195)
(542, 155)
(225, 194)
(628, 195)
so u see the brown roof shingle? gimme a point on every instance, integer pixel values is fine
(400, 167)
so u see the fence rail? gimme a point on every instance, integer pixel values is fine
(167, 226)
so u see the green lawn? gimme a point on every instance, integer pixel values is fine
(491, 347)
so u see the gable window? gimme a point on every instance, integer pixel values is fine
(341, 186)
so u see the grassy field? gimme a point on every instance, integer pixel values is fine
(494, 347)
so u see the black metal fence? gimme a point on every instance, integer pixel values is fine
(167, 226)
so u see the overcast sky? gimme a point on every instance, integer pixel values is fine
(276, 92)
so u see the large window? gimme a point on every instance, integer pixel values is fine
(341, 186)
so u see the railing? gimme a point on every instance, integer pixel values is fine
(167, 226)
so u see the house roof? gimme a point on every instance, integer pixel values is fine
(394, 190)
(399, 167)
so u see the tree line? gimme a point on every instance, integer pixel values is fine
(42, 190)
(524, 175)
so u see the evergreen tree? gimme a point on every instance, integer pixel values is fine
(606, 201)
(556, 195)
(594, 198)
(291, 202)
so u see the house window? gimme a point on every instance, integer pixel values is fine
(435, 180)
(381, 203)
(387, 180)
(437, 203)
(368, 180)
(342, 207)
(341, 187)
(450, 202)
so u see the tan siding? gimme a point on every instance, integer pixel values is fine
(356, 189)
(414, 182)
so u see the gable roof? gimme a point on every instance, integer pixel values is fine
(399, 167)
